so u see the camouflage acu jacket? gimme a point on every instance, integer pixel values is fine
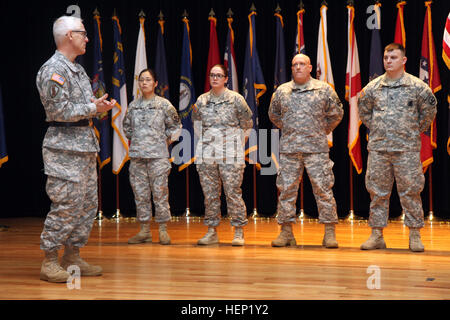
(65, 92)
(151, 125)
(306, 114)
(396, 112)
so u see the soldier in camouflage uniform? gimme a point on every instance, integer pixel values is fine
(306, 110)
(69, 152)
(151, 124)
(221, 117)
(396, 107)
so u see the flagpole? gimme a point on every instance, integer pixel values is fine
(351, 215)
(117, 215)
(187, 213)
(99, 216)
(431, 218)
(255, 214)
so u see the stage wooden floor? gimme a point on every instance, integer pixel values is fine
(184, 270)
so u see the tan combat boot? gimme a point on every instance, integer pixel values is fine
(163, 235)
(209, 238)
(415, 243)
(144, 235)
(51, 271)
(329, 238)
(285, 238)
(238, 237)
(72, 257)
(375, 241)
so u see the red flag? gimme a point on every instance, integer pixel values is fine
(213, 55)
(353, 87)
(429, 73)
(400, 36)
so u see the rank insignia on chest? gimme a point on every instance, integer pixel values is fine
(58, 79)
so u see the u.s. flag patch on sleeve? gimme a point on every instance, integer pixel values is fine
(58, 79)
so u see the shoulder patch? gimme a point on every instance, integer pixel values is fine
(432, 100)
(362, 93)
(58, 79)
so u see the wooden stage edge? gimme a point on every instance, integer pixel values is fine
(257, 271)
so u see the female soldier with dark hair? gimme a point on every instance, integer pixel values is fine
(151, 124)
(223, 116)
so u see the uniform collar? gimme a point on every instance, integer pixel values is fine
(402, 81)
(225, 96)
(147, 103)
(72, 66)
(310, 85)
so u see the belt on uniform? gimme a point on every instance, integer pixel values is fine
(81, 123)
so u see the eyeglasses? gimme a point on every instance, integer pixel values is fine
(82, 32)
(145, 80)
(216, 75)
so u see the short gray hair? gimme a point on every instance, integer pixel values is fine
(64, 24)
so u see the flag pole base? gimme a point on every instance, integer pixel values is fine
(187, 213)
(432, 218)
(255, 214)
(303, 216)
(352, 217)
(117, 216)
(3, 228)
(99, 216)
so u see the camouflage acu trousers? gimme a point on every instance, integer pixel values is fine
(211, 178)
(74, 198)
(406, 167)
(150, 177)
(320, 173)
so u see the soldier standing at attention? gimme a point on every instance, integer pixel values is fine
(223, 116)
(396, 107)
(69, 152)
(306, 110)
(151, 124)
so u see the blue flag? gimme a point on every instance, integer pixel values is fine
(376, 54)
(376, 67)
(102, 123)
(3, 152)
(280, 76)
(253, 88)
(161, 64)
(187, 100)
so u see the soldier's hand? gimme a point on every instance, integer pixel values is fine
(102, 104)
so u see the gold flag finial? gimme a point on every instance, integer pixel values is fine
(300, 5)
(160, 15)
(278, 9)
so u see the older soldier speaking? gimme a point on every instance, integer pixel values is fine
(69, 152)
(396, 107)
(306, 110)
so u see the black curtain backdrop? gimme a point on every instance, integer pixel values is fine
(27, 42)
